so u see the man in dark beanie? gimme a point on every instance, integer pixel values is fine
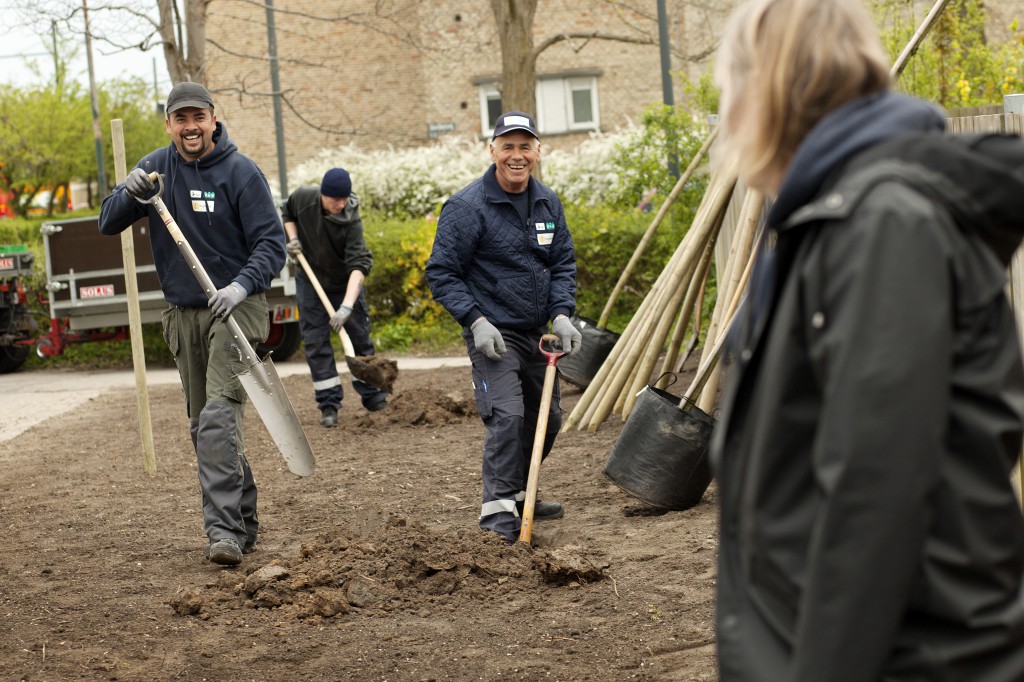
(222, 203)
(324, 225)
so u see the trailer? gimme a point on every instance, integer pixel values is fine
(87, 298)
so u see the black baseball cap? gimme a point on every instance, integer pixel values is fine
(188, 95)
(515, 120)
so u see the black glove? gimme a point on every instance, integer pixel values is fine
(224, 302)
(487, 339)
(294, 246)
(138, 183)
(568, 334)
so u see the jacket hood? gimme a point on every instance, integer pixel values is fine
(843, 133)
(978, 178)
(348, 215)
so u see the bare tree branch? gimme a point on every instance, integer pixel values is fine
(587, 37)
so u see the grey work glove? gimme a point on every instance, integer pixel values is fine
(568, 334)
(294, 246)
(487, 339)
(138, 183)
(339, 318)
(224, 302)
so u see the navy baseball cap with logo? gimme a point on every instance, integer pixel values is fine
(515, 120)
(188, 94)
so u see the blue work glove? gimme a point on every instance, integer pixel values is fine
(224, 302)
(138, 183)
(487, 339)
(339, 318)
(294, 246)
(568, 334)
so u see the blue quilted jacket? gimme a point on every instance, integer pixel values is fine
(487, 261)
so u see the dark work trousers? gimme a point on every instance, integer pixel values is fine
(508, 396)
(314, 323)
(209, 363)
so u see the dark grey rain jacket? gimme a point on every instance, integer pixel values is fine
(869, 527)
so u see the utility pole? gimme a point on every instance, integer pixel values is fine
(275, 85)
(666, 83)
(101, 176)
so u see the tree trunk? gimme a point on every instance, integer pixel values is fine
(514, 19)
(182, 65)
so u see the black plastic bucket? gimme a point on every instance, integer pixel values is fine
(661, 455)
(583, 365)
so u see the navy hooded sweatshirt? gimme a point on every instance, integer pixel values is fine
(223, 205)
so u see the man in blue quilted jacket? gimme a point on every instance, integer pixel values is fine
(503, 265)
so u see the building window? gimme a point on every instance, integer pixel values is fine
(565, 103)
(490, 107)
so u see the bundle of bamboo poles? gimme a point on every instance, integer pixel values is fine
(670, 305)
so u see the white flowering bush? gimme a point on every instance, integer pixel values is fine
(605, 169)
(413, 181)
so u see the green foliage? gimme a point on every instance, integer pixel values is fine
(605, 240)
(405, 315)
(642, 162)
(956, 66)
(46, 135)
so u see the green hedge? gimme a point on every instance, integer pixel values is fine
(405, 317)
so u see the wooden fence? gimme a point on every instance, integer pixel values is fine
(1012, 124)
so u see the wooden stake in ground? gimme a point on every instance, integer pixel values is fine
(134, 314)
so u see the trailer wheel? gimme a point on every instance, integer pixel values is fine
(12, 357)
(283, 340)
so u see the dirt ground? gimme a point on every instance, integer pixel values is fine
(373, 568)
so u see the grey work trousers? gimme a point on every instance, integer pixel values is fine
(209, 363)
(508, 396)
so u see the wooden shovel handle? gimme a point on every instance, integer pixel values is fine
(346, 343)
(550, 372)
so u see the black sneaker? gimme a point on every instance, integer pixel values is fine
(224, 552)
(547, 511)
(377, 406)
(328, 417)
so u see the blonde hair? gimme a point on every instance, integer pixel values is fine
(782, 67)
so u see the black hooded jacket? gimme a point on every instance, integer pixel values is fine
(224, 207)
(869, 529)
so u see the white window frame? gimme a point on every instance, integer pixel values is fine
(560, 87)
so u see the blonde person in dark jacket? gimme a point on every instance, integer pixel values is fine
(323, 223)
(869, 529)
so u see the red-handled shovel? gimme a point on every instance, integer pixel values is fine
(550, 373)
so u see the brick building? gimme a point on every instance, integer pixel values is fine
(399, 73)
(402, 72)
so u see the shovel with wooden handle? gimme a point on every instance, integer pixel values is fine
(259, 378)
(360, 369)
(550, 372)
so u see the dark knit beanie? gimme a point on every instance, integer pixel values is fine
(336, 184)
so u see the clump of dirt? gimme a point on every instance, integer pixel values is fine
(374, 370)
(387, 564)
(423, 406)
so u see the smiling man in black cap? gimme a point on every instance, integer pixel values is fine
(222, 203)
(503, 265)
